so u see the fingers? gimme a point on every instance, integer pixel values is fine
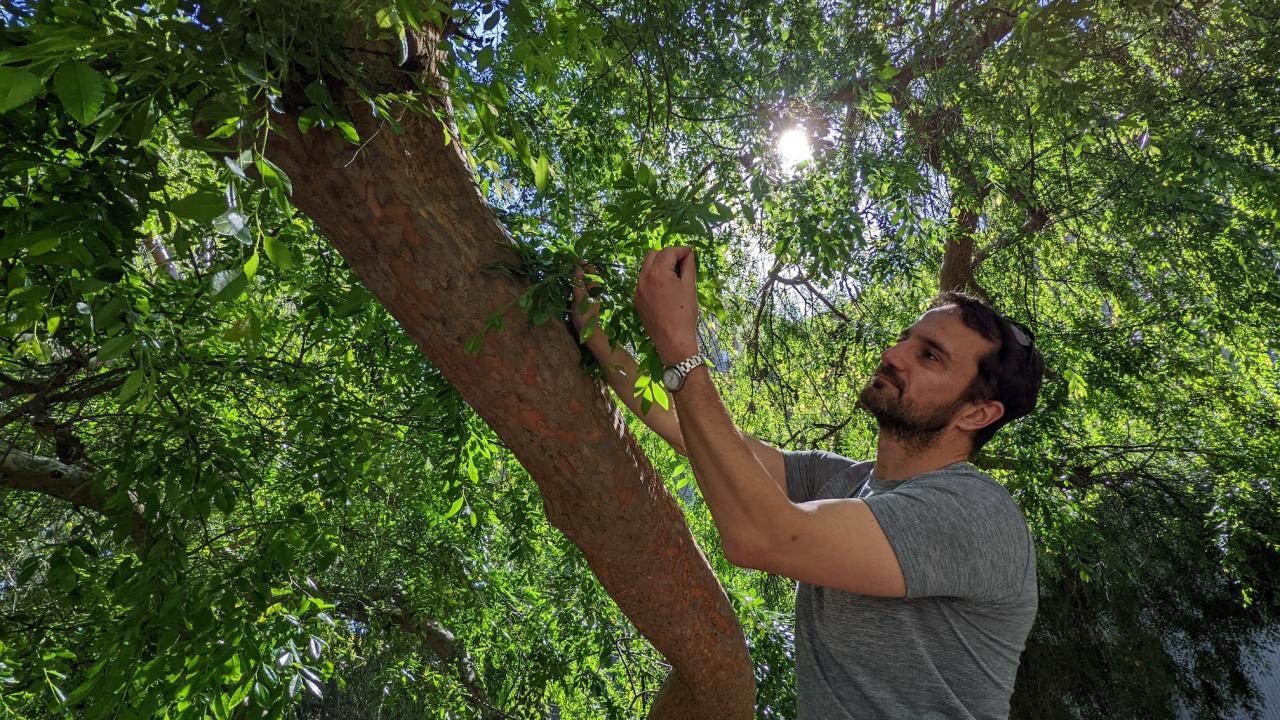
(687, 266)
(680, 261)
(648, 261)
(585, 279)
(666, 259)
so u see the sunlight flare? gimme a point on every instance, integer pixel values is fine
(794, 148)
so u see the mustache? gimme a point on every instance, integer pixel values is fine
(890, 375)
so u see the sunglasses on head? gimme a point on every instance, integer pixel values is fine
(1021, 333)
(1024, 337)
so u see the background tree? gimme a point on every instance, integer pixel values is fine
(250, 486)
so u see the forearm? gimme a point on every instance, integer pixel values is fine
(746, 502)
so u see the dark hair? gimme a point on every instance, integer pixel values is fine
(1010, 374)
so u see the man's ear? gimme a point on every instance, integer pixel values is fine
(979, 415)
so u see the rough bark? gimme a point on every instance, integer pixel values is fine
(405, 212)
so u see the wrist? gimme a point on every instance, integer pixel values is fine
(677, 353)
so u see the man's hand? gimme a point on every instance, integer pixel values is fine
(584, 311)
(667, 302)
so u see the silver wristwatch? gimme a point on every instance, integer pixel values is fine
(673, 376)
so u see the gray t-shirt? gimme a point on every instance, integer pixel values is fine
(950, 649)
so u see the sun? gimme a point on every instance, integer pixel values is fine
(794, 148)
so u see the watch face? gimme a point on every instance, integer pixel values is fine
(671, 377)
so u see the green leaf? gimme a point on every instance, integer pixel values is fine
(81, 89)
(232, 224)
(235, 167)
(277, 252)
(660, 395)
(888, 72)
(132, 384)
(228, 284)
(645, 177)
(454, 508)
(61, 573)
(472, 346)
(201, 206)
(541, 169)
(116, 346)
(317, 93)
(273, 176)
(1077, 387)
(140, 123)
(251, 266)
(17, 88)
(106, 129)
(311, 117)
(348, 131)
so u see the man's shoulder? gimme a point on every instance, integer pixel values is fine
(961, 473)
(967, 486)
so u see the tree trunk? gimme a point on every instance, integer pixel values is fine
(957, 257)
(406, 213)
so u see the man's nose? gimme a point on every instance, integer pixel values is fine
(893, 356)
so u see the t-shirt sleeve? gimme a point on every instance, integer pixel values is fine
(955, 535)
(808, 470)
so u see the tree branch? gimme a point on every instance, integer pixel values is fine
(993, 32)
(438, 642)
(83, 390)
(23, 471)
(958, 261)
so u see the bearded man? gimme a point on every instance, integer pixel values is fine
(916, 572)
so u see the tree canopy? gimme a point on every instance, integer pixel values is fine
(236, 487)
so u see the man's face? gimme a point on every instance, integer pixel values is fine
(923, 379)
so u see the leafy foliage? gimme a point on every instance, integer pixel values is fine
(291, 512)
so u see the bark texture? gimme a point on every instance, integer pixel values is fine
(957, 257)
(405, 212)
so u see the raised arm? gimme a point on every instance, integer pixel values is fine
(834, 543)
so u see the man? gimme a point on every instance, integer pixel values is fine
(916, 572)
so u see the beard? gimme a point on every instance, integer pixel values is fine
(917, 428)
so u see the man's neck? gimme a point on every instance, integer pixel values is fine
(897, 461)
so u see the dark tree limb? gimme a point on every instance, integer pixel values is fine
(83, 390)
(999, 25)
(958, 261)
(438, 643)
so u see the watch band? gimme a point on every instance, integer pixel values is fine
(673, 376)
(689, 363)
